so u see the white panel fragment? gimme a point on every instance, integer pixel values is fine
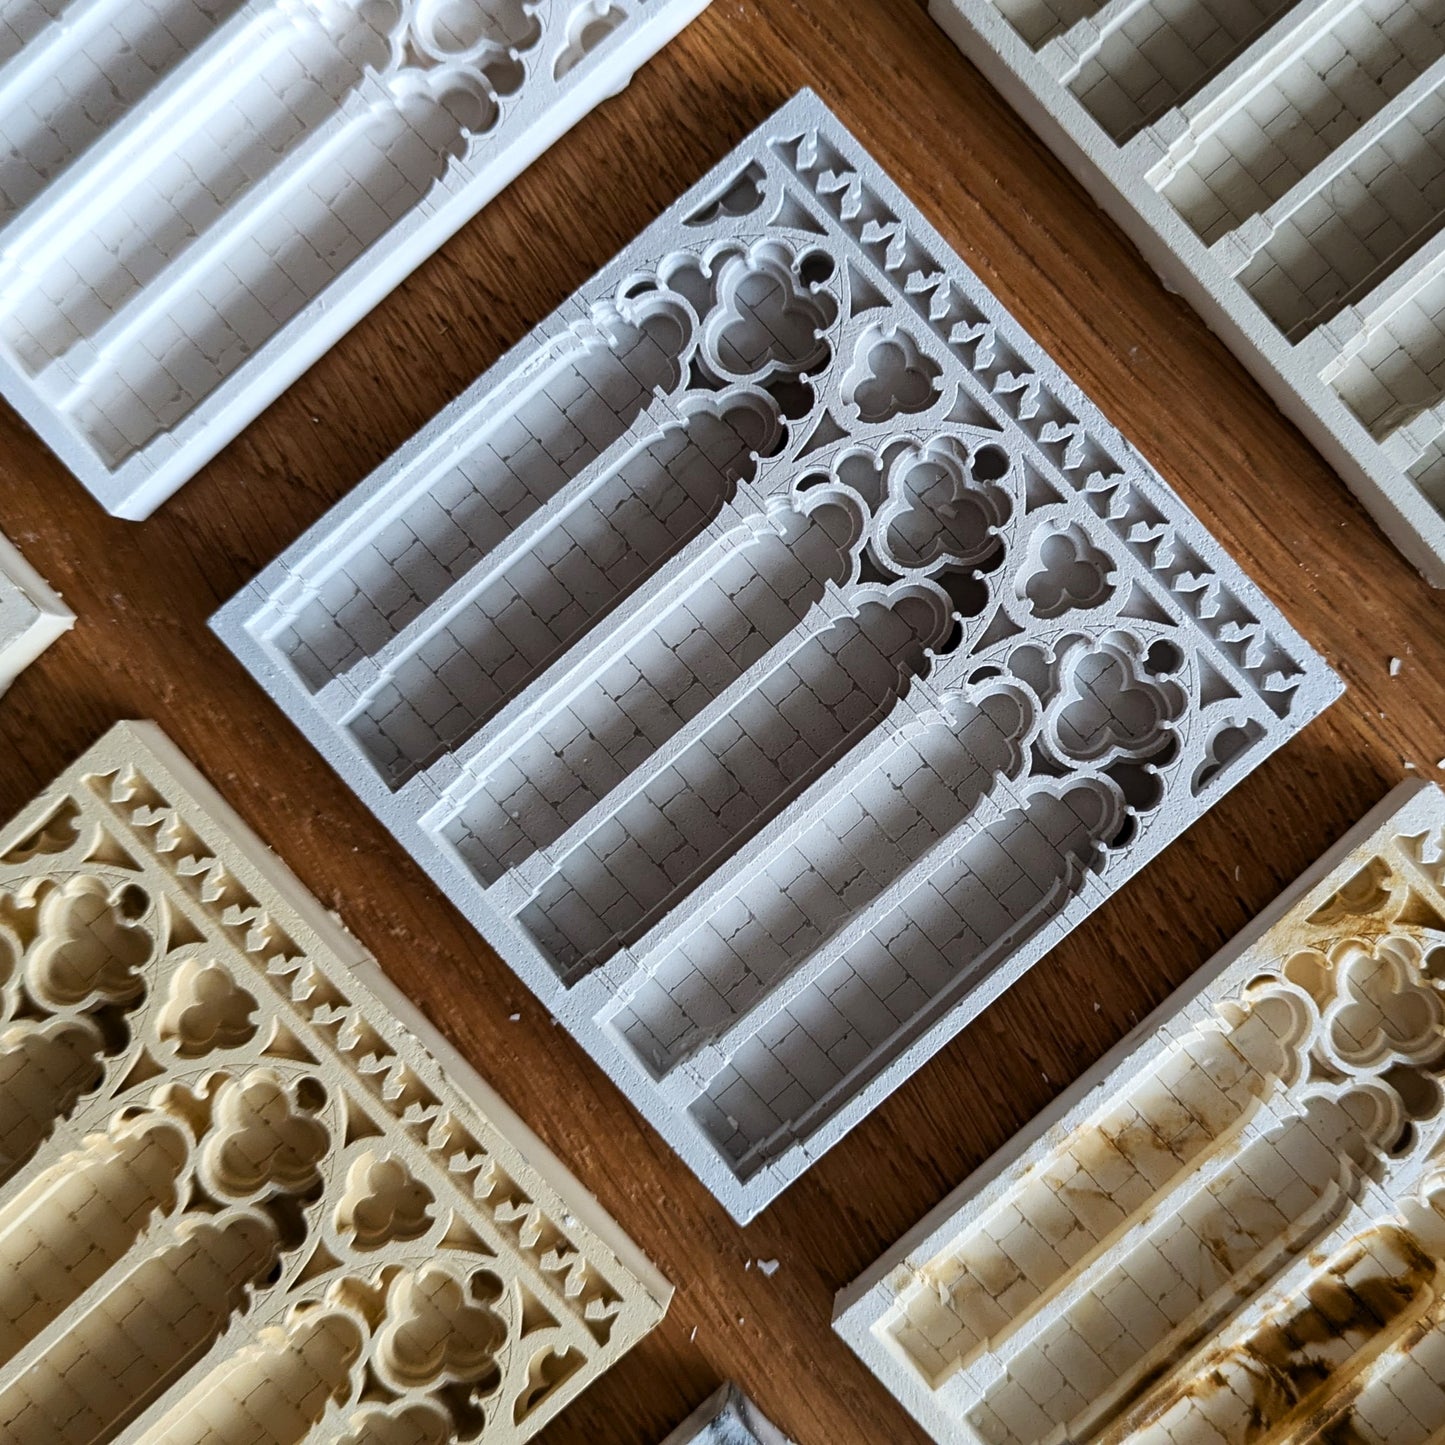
(728, 1418)
(247, 1192)
(199, 197)
(1282, 166)
(32, 616)
(1228, 1230)
(774, 655)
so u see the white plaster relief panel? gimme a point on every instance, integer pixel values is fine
(31, 615)
(775, 655)
(199, 197)
(1232, 1229)
(240, 1198)
(728, 1418)
(1281, 163)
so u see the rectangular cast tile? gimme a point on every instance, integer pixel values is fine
(246, 1192)
(199, 197)
(729, 1418)
(1282, 166)
(31, 615)
(775, 655)
(1228, 1230)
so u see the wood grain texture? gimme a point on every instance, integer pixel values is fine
(142, 649)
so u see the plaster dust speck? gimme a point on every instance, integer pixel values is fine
(32, 616)
(774, 655)
(246, 1192)
(1282, 165)
(199, 197)
(728, 1418)
(1229, 1230)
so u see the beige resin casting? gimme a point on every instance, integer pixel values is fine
(239, 1201)
(1232, 1230)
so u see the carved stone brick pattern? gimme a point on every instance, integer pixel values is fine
(240, 1200)
(199, 197)
(775, 655)
(1282, 166)
(31, 615)
(729, 1418)
(1229, 1231)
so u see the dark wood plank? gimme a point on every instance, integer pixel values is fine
(143, 650)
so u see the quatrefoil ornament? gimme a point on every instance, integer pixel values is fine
(1384, 1009)
(1105, 706)
(943, 507)
(458, 34)
(766, 320)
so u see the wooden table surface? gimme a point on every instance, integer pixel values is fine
(142, 650)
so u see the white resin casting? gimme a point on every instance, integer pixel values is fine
(198, 197)
(247, 1193)
(775, 655)
(31, 615)
(1282, 166)
(1230, 1230)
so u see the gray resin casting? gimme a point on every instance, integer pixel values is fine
(1280, 164)
(728, 1418)
(775, 655)
(199, 197)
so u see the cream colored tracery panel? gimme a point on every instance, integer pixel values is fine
(1233, 1230)
(239, 1200)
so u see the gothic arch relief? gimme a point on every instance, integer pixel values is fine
(240, 1199)
(1230, 1231)
(774, 655)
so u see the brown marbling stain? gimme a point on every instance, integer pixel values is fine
(1287, 1363)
